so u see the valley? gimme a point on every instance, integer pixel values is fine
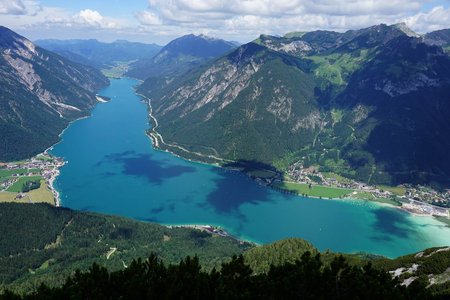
(320, 148)
(59, 241)
(110, 156)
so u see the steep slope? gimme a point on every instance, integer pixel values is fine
(405, 89)
(179, 56)
(431, 267)
(319, 98)
(41, 92)
(98, 54)
(327, 42)
(439, 38)
(239, 106)
(46, 244)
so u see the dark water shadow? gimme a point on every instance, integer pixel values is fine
(390, 223)
(234, 189)
(157, 210)
(142, 165)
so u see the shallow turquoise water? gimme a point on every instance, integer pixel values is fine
(112, 168)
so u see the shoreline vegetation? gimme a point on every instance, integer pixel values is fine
(263, 175)
(45, 168)
(275, 179)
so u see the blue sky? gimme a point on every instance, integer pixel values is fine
(159, 21)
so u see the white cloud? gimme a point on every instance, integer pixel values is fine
(246, 19)
(241, 20)
(437, 18)
(269, 8)
(93, 18)
(12, 7)
(148, 18)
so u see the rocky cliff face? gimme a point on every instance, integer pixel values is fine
(369, 104)
(40, 93)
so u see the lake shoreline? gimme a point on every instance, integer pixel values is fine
(157, 140)
(51, 182)
(114, 169)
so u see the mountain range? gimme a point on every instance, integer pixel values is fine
(180, 55)
(369, 104)
(99, 54)
(41, 93)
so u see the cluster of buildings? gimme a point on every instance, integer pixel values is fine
(422, 208)
(7, 183)
(311, 175)
(428, 195)
(417, 199)
(47, 167)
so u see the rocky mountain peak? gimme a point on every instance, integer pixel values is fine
(405, 29)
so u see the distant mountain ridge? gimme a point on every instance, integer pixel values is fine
(439, 38)
(99, 54)
(180, 55)
(41, 92)
(368, 104)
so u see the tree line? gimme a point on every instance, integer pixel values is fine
(306, 278)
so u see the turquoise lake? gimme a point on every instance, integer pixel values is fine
(112, 168)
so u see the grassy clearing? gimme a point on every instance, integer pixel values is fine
(43, 157)
(363, 196)
(8, 173)
(338, 177)
(45, 265)
(397, 190)
(336, 68)
(314, 191)
(336, 115)
(371, 197)
(42, 194)
(7, 197)
(117, 71)
(18, 185)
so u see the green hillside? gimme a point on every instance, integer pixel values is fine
(48, 244)
(98, 54)
(178, 56)
(367, 104)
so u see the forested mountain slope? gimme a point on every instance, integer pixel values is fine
(46, 244)
(41, 92)
(99, 54)
(179, 55)
(369, 104)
